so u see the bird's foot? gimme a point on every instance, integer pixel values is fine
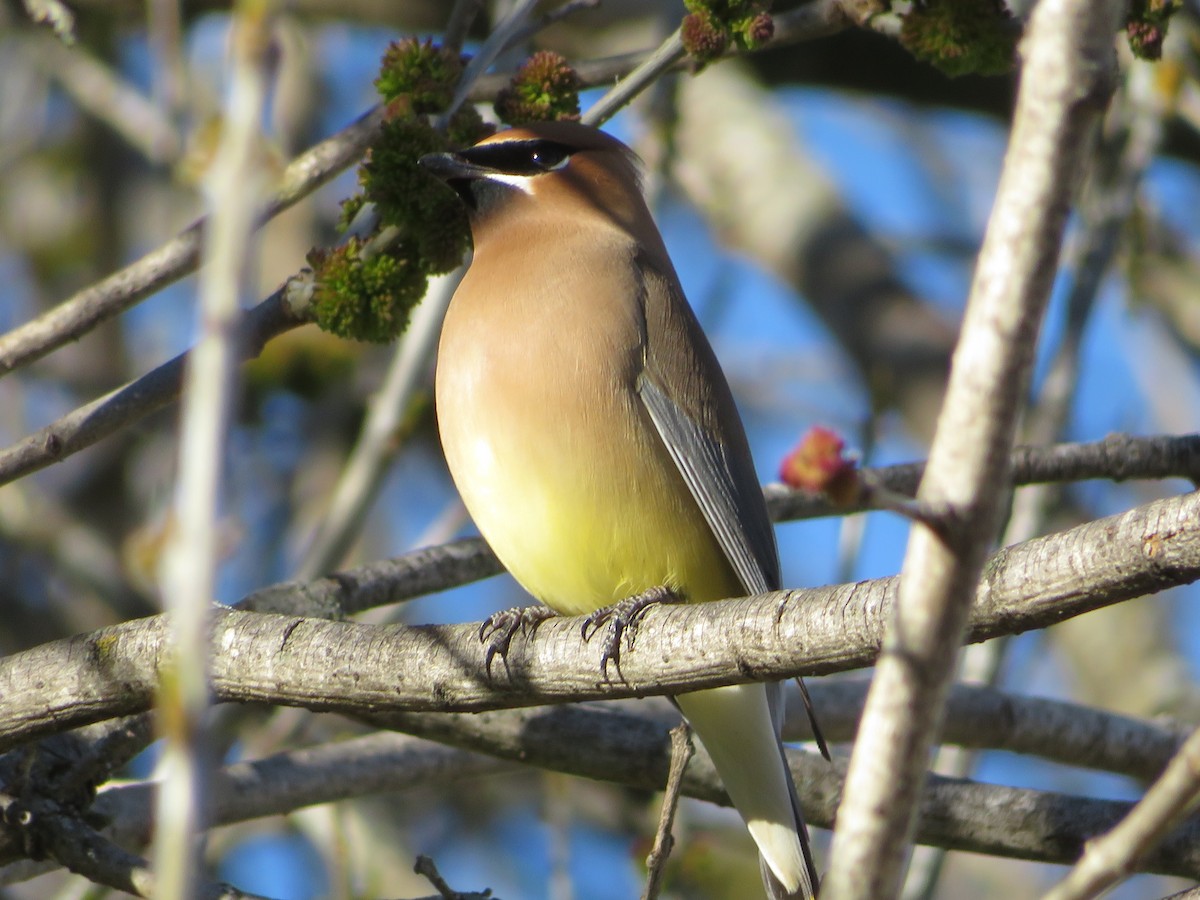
(498, 630)
(622, 620)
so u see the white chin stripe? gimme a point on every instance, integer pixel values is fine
(520, 182)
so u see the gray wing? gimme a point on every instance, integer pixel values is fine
(689, 402)
(685, 392)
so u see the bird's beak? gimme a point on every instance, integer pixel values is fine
(450, 166)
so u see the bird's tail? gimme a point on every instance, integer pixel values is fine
(739, 730)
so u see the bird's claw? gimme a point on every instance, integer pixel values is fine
(498, 630)
(622, 619)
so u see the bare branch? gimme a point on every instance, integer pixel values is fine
(82, 312)
(669, 54)
(381, 583)
(1108, 859)
(288, 781)
(984, 718)
(106, 415)
(609, 743)
(682, 750)
(1125, 147)
(103, 93)
(1068, 54)
(349, 667)
(459, 22)
(502, 34)
(233, 184)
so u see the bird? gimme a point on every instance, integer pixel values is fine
(592, 434)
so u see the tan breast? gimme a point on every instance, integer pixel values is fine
(552, 451)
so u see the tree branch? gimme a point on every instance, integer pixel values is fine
(348, 667)
(626, 744)
(1068, 53)
(285, 782)
(984, 718)
(1118, 457)
(101, 91)
(81, 428)
(165, 265)
(1115, 855)
(608, 743)
(83, 311)
(233, 184)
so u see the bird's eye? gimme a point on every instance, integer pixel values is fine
(547, 156)
(519, 158)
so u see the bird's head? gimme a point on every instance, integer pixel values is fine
(544, 170)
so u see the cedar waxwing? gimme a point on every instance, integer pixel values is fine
(592, 434)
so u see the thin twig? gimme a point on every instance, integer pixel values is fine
(81, 428)
(309, 776)
(500, 38)
(101, 91)
(1111, 858)
(164, 34)
(458, 25)
(566, 10)
(425, 866)
(669, 53)
(358, 484)
(682, 750)
(234, 184)
(163, 266)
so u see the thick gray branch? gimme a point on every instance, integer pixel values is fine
(626, 745)
(611, 744)
(349, 667)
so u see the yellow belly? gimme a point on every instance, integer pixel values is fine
(582, 505)
(583, 527)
